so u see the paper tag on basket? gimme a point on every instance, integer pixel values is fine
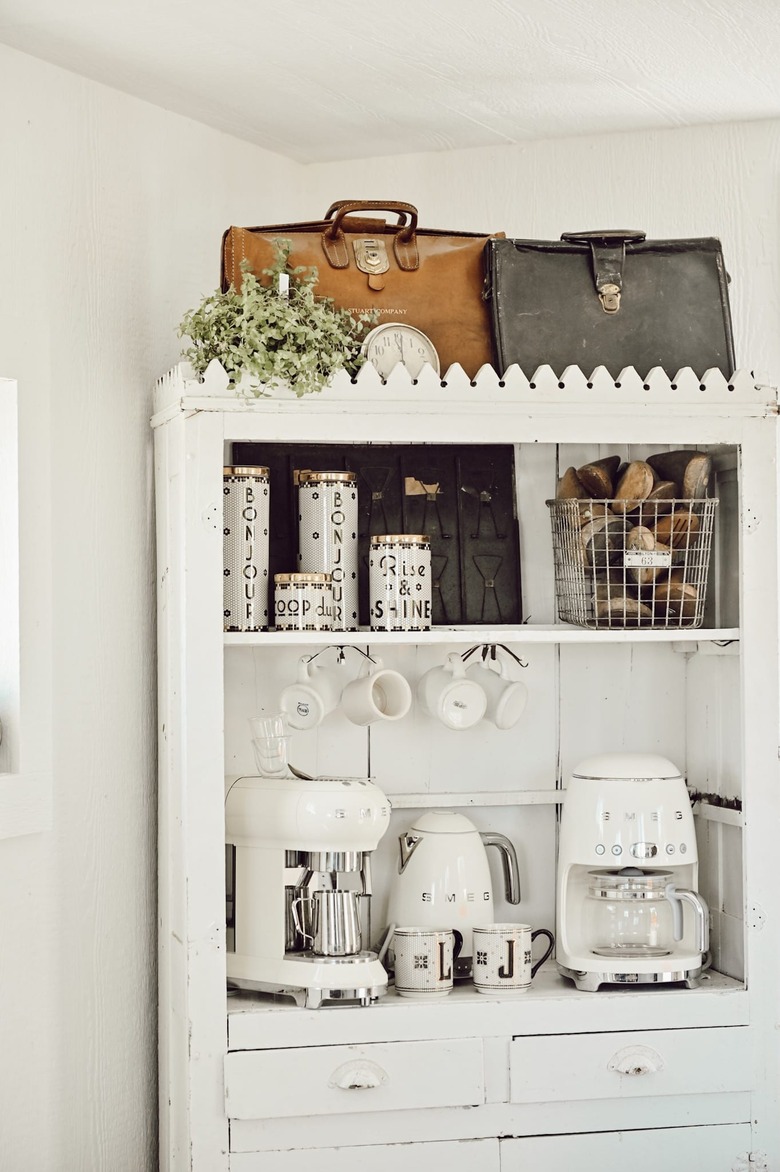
(651, 558)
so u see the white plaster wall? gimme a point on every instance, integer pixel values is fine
(111, 215)
(704, 181)
(111, 212)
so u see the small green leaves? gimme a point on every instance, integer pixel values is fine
(299, 339)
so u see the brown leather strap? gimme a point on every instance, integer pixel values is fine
(334, 241)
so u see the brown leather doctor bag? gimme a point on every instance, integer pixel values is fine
(422, 277)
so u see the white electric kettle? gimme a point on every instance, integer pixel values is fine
(443, 878)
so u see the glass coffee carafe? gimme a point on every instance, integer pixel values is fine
(634, 913)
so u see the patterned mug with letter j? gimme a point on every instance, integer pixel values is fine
(502, 957)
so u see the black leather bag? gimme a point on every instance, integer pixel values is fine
(610, 299)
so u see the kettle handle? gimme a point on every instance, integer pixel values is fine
(509, 862)
(408, 843)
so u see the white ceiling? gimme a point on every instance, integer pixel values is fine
(321, 80)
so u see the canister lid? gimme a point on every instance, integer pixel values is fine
(400, 538)
(301, 579)
(245, 470)
(307, 477)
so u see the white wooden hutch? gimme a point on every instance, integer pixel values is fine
(543, 1081)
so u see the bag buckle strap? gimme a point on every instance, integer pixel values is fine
(608, 256)
(608, 260)
(334, 242)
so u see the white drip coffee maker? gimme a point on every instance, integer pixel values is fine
(628, 911)
(299, 883)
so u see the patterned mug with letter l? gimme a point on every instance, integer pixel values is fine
(425, 961)
(502, 957)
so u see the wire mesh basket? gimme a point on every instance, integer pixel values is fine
(647, 568)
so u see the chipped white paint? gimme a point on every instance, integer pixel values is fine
(557, 1044)
(544, 390)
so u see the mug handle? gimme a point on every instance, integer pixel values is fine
(457, 944)
(386, 942)
(368, 667)
(542, 932)
(455, 665)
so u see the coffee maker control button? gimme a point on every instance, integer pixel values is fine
(617, 850)
(683, 848)
(644, 850)
(600, 849)
(670, 848)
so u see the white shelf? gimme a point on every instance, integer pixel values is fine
(723, 814)
(522, 797)
(535, 797)
(545, 392)
(552, 1005)
(479, 635)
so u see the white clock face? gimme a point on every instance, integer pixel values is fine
(389, 344)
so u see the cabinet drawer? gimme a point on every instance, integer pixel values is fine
(629, 1065)
(697, 1149)
(329, 1080)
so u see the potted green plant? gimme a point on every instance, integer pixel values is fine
(278, 333)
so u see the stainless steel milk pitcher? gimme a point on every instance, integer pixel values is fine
(335, 928)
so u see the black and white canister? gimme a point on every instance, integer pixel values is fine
(303, 602)
(399, 582)
(327, 538)
(246, 513)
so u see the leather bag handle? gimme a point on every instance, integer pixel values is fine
(613, 237)
(334, 241)
(388, 206)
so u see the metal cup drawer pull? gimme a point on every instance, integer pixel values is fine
(636, 1060)
(358, 1075)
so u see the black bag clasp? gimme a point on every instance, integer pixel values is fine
(608, 255)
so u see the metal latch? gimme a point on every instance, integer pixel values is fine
(609, 296)
(371, 255)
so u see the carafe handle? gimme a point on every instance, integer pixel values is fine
(509, 861)
(676, 896)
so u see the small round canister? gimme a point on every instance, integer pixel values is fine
(303, 602)
(399, 582)
(246, 507)
(327, 538)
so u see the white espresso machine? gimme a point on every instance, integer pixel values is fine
(299, 887)
(627, 908)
